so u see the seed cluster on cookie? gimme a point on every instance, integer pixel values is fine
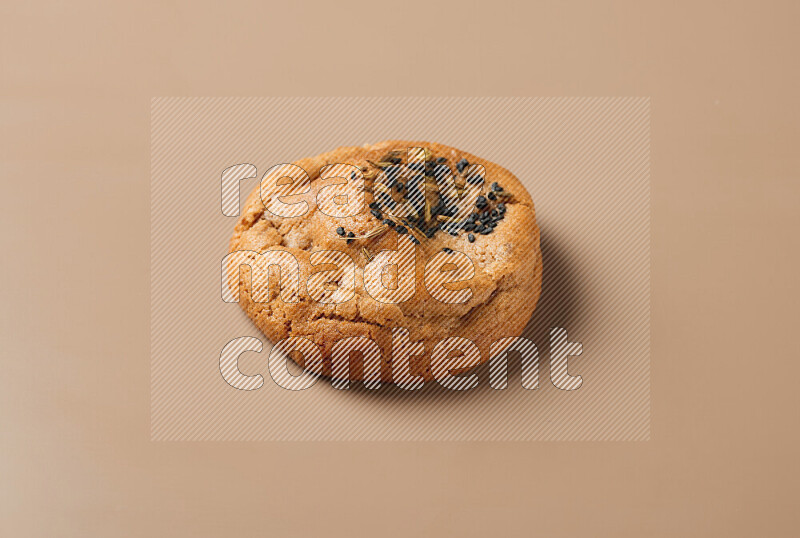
(418, 183)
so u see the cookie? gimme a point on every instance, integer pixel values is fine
(440, 214)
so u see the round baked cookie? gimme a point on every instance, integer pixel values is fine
(434, 212)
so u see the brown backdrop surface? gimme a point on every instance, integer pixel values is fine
(75, 453)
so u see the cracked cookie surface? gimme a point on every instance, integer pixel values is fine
(504, 248)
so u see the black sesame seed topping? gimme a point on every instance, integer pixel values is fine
(431, 216)
(447, 250)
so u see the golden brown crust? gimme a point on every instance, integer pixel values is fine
(506, 285)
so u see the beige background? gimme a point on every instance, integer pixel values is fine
(75, 454)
